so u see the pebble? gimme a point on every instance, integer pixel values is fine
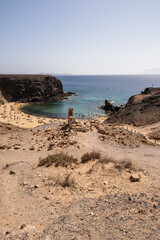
(105, 182)
(46, 198)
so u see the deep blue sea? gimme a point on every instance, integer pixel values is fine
(91, 93)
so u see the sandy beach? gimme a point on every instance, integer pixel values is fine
(10, 113)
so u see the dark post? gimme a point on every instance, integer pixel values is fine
(70, 115)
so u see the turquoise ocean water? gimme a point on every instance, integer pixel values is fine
(91, 92)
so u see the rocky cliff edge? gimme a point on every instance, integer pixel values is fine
(141, 109)
(30, 88)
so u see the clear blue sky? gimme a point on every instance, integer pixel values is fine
(80, 36)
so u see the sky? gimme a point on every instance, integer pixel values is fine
(80, 36)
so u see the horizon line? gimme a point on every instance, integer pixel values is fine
(70, 74)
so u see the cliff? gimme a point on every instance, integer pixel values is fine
(141, 109)
(30, 88)
(2, 99)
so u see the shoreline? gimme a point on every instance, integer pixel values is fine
(11, 113)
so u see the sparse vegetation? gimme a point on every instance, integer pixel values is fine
(119, 165)
(65, 180)
(59, 159)
(106, 160)
(90, 156)
(125, 164)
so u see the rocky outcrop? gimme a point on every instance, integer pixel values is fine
(109, 107)
(141, 109)
(2, 99)
(30, 88)
(154, 134)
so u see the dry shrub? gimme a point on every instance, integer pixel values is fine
(59, 159)
(125, 164)
(90, 156)
(119, 165)
(106, 160)
(64, 181)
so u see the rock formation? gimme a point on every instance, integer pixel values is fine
(2, 99)
(30, 88)
(140, 109)
(109, 107)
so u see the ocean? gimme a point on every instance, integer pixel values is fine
(91, 92)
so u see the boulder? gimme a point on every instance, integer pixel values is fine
(109, 107)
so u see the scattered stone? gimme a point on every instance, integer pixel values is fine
(47, 198)
(72, 142)
(16, 148)
(102, 138)
(105, 182)
(119, 135)
(31, 148)
(135, 178)
(155, 206)
(2, 147)
(129, 198)
(24, 183)
(101, 130)
(91, 214)
(12, 172)
(22, 226)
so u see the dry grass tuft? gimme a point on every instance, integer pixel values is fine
(119, 165)
(59, 159)
(125, 164)
(64, 181)
(90, 156)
